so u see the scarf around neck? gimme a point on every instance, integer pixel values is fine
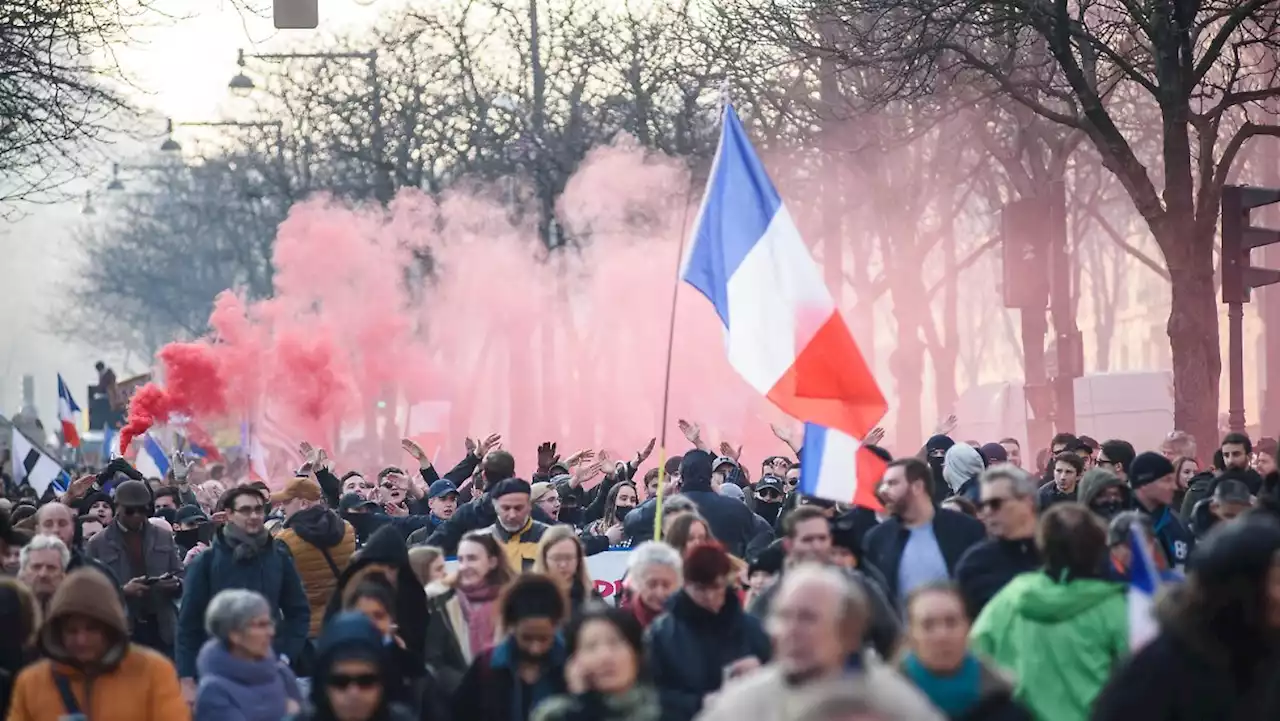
(478, 612)
(953, 694)
(245, 546)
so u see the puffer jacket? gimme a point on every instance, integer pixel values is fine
(1060, 639)
(237, 689)
(310, 534)
(638, 704)
(130, 683)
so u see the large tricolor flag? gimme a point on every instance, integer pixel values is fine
(783, 331)
(68, 414)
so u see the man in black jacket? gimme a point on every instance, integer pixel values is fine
(1008, 508)
(919, 543)
(479, 512)
(1151, 476)
(732, 523)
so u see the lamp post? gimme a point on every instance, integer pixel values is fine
(242, 85)
(170, 145)
(116, 184)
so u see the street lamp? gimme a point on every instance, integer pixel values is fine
(171, 145)
(117, 184)
(88, 208)
(242, 84)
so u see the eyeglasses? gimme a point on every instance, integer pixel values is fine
(992, 504)
(250, 510)
(790, 482)
(133, 510)
(768, 495)
(343, 681)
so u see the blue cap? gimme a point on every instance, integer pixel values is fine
(442, 487)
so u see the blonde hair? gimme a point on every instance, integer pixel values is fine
(559, 534)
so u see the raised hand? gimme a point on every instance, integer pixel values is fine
(490, 442)
(785, 433)
(729, 451)
(874, 436)
(692, 432)
(582, 456)
(306, 449)
(412, 448)
(180, 466)
(645, 452)
(470, 444)
(946, 425)
(547, 456)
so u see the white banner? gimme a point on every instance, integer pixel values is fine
(606, 569)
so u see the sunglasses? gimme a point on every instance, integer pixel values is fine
(768, 495)
(364, 680)
(992, 504)
(133, 510)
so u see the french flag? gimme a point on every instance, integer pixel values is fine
(1143, 582)
(68, 414)
(783, 331)
(151, 461)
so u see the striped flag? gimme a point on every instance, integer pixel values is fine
(784, 334)
(1143, 582)
(151, 461)
(68, 414)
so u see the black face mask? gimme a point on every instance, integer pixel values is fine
(1110, 509)
(620, 512)
(188, 538)
(768, 511)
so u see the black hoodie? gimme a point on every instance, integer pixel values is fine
(318, 526)
(386, 546)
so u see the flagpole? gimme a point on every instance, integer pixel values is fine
(671, 337)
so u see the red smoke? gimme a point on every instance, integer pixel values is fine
(504, 339)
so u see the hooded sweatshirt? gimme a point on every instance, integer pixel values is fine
(322, 545)
(351, 635)
(237, 689)
(1094, 482)
(1060, 639)
(935, 444)
(129, 683)
(961, 465)
(387, 547)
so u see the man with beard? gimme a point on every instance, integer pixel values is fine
(516, 530)
(146, 555)
(479, 513)
(808, 539)
(919, 542)
(1237, 452)
(319, 540)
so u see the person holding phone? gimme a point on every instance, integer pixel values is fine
(134, 549)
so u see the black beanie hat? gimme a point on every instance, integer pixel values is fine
(509, 486)
(1147, 468)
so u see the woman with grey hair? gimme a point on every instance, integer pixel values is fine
(654, 573)
(240, 677)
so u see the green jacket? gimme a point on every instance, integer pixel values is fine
(1060, 640)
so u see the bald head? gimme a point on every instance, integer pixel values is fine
(55, 519)
(816, 621)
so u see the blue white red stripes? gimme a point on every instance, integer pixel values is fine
(835, 465)
(1143, 581)
(68, 414)
(783, 332)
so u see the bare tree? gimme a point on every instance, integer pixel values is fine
(1104, 69)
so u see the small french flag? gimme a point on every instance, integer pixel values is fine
(68, 414)
(837, 467)
(1143, 581)
(151, 461)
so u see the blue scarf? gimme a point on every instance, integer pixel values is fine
(953, 694)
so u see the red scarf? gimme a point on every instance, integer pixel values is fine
(631, 602)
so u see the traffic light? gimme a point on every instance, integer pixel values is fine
(1239, 237)
(1025, 254)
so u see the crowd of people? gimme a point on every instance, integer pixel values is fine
(986, 588)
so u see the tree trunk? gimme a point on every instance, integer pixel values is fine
(907, 361)
(1193, 333)
(946, 360)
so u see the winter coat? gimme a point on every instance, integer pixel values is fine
(883, 628)
(491, 690)
(237, 689)
(133, 684)
(766, 695)
(1097, 480)
(995, 696)
(473, 516)
(986, 567)
(1050, 494)
(1061, 640)
(520, 547)
(1176, 540)
(1185, 674)
(160, 556)
(386, 547)
(689, 647)
(732, 523)
(352, 632)
(271, 573)
(322, 545)
(638, 704)
(956, 532)
(1199, 488)
(448, 642)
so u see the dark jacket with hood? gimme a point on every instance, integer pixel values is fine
(1199, 488)
(689, 647)
(936, 444)
(491, 690)
(1094, 482)
(237, 689)
(955, 532)
(387, 547)
(322, 545)
(986, 567)
(352, 635)
(732, 523)
(130, 683)
(269, 571)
